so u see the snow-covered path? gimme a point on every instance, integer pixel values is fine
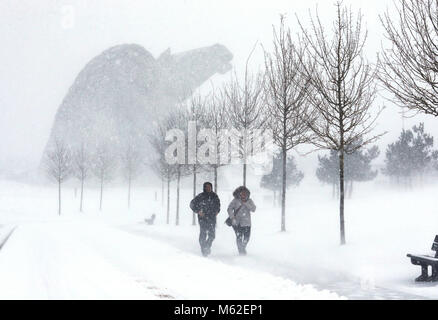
(77, 260)
(43, 261)
(113, 254)
(320, 277)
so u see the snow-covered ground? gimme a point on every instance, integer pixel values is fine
(71, 259)
(113, 254)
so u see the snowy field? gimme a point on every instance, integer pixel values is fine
(113, 254)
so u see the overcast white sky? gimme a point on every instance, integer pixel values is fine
(46, 43)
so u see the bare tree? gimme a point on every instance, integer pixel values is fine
(216, 118)
(57, 163)
(179, 120)
(178, 188)
(245, 108)
(286, 90)
(158, 140)
(104, 164)
(81, 168)
(131, 161)
(409, 68)
(196, 109)
(165, 172)
(343, 89)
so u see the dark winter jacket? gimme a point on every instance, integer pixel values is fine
(239, 210)
(207, 202)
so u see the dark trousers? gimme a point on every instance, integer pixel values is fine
(207, 232)
(242, 237)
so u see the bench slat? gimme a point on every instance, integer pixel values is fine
(423, 258)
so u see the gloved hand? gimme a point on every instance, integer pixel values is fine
(234, 222)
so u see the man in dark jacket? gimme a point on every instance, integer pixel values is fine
(207, 206)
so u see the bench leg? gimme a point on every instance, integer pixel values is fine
(424, 274)
(434, 276)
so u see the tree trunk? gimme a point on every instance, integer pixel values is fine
(162, 192)
(82, 194)
(177, 196)
(215, 179)
(101, 192)
(218, 161)
(333, 190)
(341, 202)
(59, 197)
(275, 198)
(244, 174)
(283, 192)
(168, 198)
(194, 194)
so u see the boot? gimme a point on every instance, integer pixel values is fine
(241, 250)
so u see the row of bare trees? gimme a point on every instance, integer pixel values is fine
(316, 89)
(342, 84)
(202, 112)
(62, 162)
(331, 76)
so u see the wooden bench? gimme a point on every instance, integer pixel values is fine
(425, 261)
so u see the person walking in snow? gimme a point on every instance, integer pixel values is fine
(207, 206)
(239, 212)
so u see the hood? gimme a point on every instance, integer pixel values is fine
(237, 192)
(205, 185)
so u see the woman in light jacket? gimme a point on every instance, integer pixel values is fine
(239, 212)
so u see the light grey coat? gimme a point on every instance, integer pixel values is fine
(243, 217)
